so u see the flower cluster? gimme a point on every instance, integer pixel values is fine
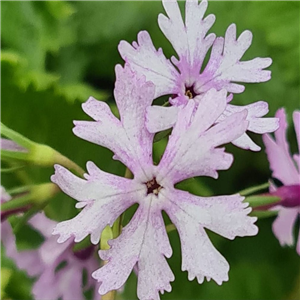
(184, 80)
(192, 151)
(288, 173)
(202, 121)
(59, 270)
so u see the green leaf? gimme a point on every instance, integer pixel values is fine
(12, 58)
(80, 91)
(60, 9)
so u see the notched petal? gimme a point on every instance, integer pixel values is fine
(143, 241)
(104, 197)
(192, 147)
(225, 68)
(225, 215)
(144, 59)
(257, 124)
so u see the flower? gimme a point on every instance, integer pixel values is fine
(191, 151)
(286, 169)
(183, 78)
(57, 267)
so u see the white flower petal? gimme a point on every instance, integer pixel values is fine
(225, 67)
(191, 150)
(128, 138)
(143, 241)
(199, 256)
(256, 123)
(245, 142)
(255, 111)
(189, 40)
(225, 215)
(144, 59)
(160, 118)
(106, 196)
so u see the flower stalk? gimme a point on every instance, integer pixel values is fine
(254, 189)
(33, 153)
(35, 197)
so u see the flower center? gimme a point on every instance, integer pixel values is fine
(153, 187)
(190, 92)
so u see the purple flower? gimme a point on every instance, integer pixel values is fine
(192, 150)
(183, 78)
(44, 263)
(286, 169)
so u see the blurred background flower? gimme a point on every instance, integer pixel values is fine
(56, 54)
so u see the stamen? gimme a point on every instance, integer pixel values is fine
(153, 187)
(189, 94)
(189, 91)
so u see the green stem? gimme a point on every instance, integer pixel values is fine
(23, 177)
(66, 162)
(261, 200)
(35, 153)
(12, 169)
(263, 214)
(36, 195)
(109, 296)
(18, 190)
(16, 203)
(254, 189)
(15, 136)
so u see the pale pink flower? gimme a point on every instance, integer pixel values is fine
(183, 79)
(44, 263)
(192, 151)
(286, 169)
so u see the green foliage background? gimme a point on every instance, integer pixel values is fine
(56, 54)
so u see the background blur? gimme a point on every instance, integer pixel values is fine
(57, 54)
